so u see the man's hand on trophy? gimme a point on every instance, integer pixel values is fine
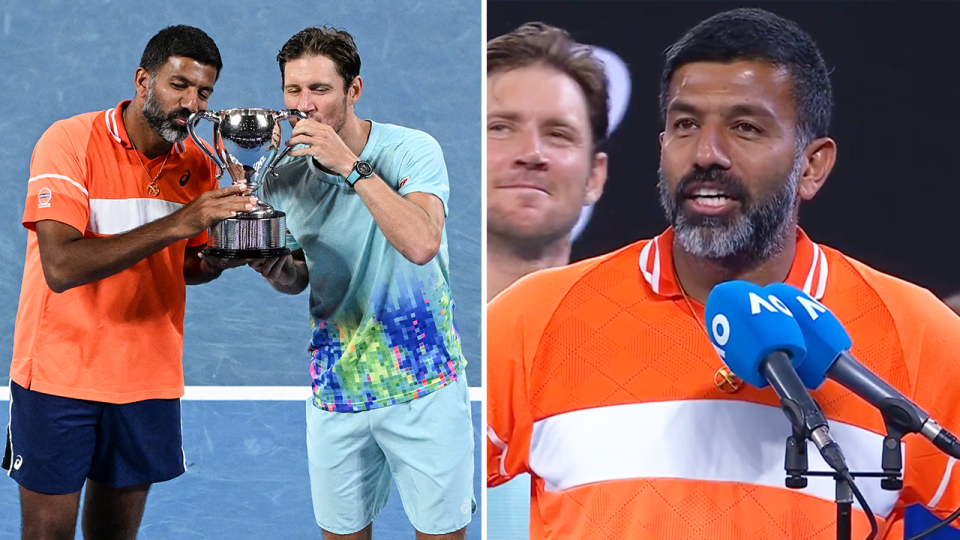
(324, 145)
(212, 207)
(278, 270)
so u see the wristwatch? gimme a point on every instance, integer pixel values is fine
(361, 170)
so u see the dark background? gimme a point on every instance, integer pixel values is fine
(889, 201)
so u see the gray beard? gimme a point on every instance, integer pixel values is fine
(753, 236)
(160, 121)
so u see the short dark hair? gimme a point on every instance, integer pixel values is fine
(335, 44)
(756, 34)
(537, 43)
(180, 40)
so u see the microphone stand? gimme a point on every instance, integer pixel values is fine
(796, 466)
(844, 507)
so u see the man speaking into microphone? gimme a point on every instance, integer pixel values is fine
(602, 382)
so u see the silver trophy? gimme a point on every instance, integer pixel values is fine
(246, 144)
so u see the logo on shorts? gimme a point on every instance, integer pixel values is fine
(403, 182)
(44, 197)
(465, 507)
(17, 463)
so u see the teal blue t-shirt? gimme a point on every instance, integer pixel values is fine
(383, 327)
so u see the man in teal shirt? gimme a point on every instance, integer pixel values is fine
(365, 205)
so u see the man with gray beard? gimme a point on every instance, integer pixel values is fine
(761, 228)
(602, 382)
(117, 209)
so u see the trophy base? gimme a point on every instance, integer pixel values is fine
(260, 235)
(246, 253)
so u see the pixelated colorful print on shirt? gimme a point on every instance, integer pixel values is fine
(403, 347)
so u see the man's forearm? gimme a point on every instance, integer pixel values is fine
(409, 228)
(406, 225)
(69, 259)
(72, 260)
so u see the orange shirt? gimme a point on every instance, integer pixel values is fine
(120, 339)
(603, 387)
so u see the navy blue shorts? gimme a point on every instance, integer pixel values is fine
(55, 443)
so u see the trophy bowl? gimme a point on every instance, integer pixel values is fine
(246, 144)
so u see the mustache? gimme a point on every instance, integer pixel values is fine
(718, 178)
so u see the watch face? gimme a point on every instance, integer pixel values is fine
(364, 168)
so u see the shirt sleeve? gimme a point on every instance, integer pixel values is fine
(423, 169)
(931, 478)
(57, 188)
(516, 322)
(509, 419)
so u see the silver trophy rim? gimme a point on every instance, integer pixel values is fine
(245, 111)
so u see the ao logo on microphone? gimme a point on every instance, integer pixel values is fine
(774, 305)
(720, 325)
(811, 306)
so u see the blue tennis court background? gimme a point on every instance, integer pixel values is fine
(421, 65)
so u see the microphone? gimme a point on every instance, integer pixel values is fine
(828, 345)
(757, 338)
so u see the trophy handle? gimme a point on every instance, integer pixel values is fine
(279, 117)
(191, 129)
